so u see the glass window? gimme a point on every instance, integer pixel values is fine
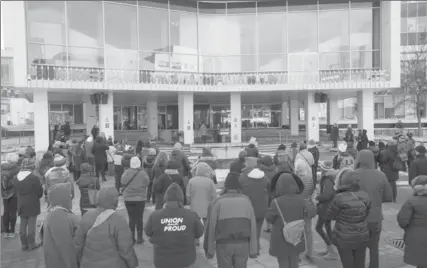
(273, 62)
(404, 10)
(271, 6)
(85, 23)
(117, 117)
(183, 5)
(403, 25)
(422, 9)
(47, 54)
(334, 60)
(232, 64)
(412, 39)
(68, 112)
(307, 24)
(153, 29)
(121, 59)
(365, 59)
(422, 24)
(184, 63)
(86, 57)
(241, 34)
(154, 61)
(333, 31)
(212, 8)
(411, 23)
(129, 118)
(361, 29)
(422, 38)
(298, 5)
(346, 108)
(303, 62)
(183, 32)
(241, 7)
(272, 33)
(120, 26)
(412, 10)
(212, 35)
(46, 22)
(332, 4)
(78, 114)
(403, 39)
(142, 118)
(156, 3)
(55, 114)
(261, 115)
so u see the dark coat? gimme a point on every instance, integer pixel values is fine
(334, 133)
(162, 183)
(418, 167)
(86, 182)
(326, 195)
(29, 191)
(387, 162)
(350, 211)
(412, 217)
(99, 151)
(237, 166)
(252, 151)
(182, 159)
(349, 135)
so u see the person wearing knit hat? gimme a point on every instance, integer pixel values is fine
(29, 191)
(148, 166)
(252, 149)
(239, 164)
(184, 165)
(172, 230)
(170, 175)
(58, 174)
(87, 182)
(231, 217)
(418, 166)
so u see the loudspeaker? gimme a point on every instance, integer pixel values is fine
(94, 99)
(320, 97)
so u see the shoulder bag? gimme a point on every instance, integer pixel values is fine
(131, 179)
(292, 231)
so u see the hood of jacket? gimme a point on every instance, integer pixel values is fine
(59, 195)
(365, 159)
(420, 185)
(22, 175)
(203, 170)
(306, 156)
(108, 198)
(255, 173)
(286, 185)
(174, 196)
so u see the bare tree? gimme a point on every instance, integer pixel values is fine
(414, 78)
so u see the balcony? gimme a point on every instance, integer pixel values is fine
(49, 76)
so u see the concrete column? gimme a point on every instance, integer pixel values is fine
(186, 116)
(14, 35)
(285, 113)
(153, 121)
(311, 117)
(41, 119)
(236, 117)
(365, 111)
(294, 114)
(106, 117)
(390, 35)
(89, 112)
(333, 109)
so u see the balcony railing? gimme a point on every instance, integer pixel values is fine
(101, 75)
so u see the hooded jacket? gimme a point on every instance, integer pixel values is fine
(267, 166)
(148, 166)
(252, 150)
(162, 183)
(45, 164)
(29, 191)
(412, 217)
(376, 151)
(172, 230)
(86, 182)
(60, 226)
(103, 238)
(201, 190)
(390, 155)
(304, 161)
(293, 207)
(8, 173)
(418, 167)
(136, 180)
(374, 182)
(327, 193)
(256, 186)
(182, 159)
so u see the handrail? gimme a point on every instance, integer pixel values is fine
(110, 76)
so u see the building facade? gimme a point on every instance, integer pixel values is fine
(175, 65)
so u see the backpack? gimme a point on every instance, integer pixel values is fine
(346, 161)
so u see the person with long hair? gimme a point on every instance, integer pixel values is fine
(160, 164)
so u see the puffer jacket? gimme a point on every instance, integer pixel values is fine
(58, 175)
(390, 155)
(327, 193)
(304, 162)
(86, 182)
(8, 172)
(256, 186)
(350, 211)
(182, 159)
(109, 244)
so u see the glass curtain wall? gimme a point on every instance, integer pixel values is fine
(132, 39)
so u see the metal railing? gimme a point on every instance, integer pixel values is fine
(101, 75)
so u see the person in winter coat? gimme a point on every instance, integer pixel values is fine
(135, 183)
(335, 135)
(324, 199)
(159, 167)
(252, 150)
(350, 209)
(9, 170)
(280, 150)
(99, 151)
(201, 190)
(29, 191)
(294, 151)
(181, 158)
(374, 182)
(266, 165)
(412, 218)
(162, 182)
(283, 161)
(58, 174)
(349, 136)
(362, 141)
(351, 150)
(392, 164)
(60, 226)
(45, 164)
(419, 164)
(239, 164)
(304, 162)
(85, 183)
(138, 149)
(375, 150)
(231, 226)
(208, 158)
(88, 145)
(172, 230)
(103, 238)
(343, 159)
(289, 203)
(148, 166)
(118, 168)
(255, 185)
(76, 152)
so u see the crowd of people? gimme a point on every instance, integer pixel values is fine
(277, 192)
